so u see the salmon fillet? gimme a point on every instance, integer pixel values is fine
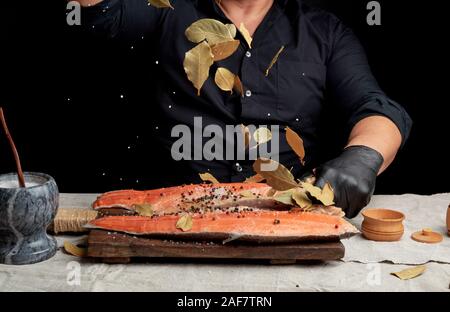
(192, 198)
(231, 197)
(257, 226)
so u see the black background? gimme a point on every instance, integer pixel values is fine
(62, 94)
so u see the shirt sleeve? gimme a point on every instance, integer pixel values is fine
(353, 87)
(123, 19)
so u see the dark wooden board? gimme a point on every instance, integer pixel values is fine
(119, 248)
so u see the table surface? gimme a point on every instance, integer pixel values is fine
(68, 273)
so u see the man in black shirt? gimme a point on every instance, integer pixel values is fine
(320, 64)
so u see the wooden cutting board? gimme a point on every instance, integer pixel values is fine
(120, 248)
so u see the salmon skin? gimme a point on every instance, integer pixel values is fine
(258, 226)
(193, 198)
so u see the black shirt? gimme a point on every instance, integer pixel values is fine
(322, 68)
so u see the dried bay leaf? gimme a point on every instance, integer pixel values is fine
(197, 62)
(246, 34)
(284, 197)
(161, 4)
(75, 250)
(224, 49)
(410, 273)
(210, 29)
(145, 210)
(274, 60)
(208, 177)
(281, 179)
(262, 135)
(325, 195)
(224, 79)
(296, 143)
(246, 135)
(184, 223)
(301, 199)
(231, 30)
(255, 179)
(238, 87)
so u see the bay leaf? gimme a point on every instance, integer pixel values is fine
(75, 250)
(410, 273)
(211, 30)
(262, 135)
(231, 30)
(325, 196)
(281, 179)
(238, 87)
(197, 62)
(245, 135)
(247, 194)
(224, 79)
(274, 60)
(301, 198)
(161, 4)
(224, 49)
(284, 197)
(246, 34)
(257, 178)
(296, 143)
(185, 223)
(145, 210)
(208, 177)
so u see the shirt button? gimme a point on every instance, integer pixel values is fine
(248, 54)
(248, 93)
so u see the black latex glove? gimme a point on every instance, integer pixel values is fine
(352, 176)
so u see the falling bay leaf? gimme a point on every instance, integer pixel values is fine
(197, 62)
(279, 177)
(161, 3)
(274, 60)
(262, 135)
(208, 177)
(325, 196)
(145, 210)
(301, 199)
(210, 29)
(245, 135)
(224, 79)
(185, 223)
(296, 143)
(224, 49)
(410, 273)
(257, 178)
(238, 87)
(75, 250)
(246, 34)
(231, 30)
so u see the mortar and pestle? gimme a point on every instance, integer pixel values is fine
(28, 204)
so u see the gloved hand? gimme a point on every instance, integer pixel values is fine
(352, 176)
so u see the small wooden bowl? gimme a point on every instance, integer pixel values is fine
(383, 225)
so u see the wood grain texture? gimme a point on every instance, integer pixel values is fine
(103, 244)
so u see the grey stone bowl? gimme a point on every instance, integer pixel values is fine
(25, 214)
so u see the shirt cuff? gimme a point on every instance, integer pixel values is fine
(383, 106)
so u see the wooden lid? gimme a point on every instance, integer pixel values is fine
(427, 236)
